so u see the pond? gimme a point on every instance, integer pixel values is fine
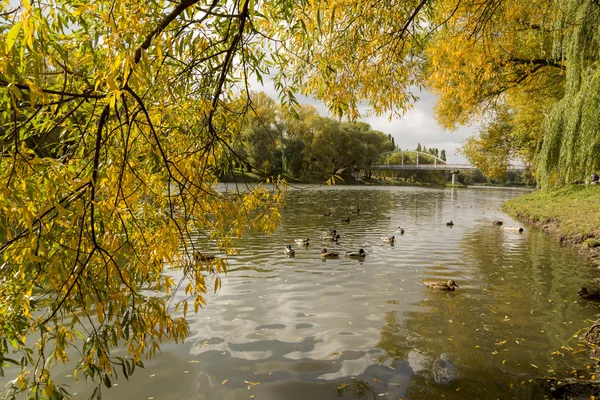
(297, 328)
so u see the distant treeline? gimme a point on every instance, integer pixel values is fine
(301, 143)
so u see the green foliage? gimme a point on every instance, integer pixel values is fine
(282, 140)
(571, 150)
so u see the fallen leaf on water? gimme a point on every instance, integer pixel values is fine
(500, 343)
(250, 384)
(336, 353)
(252, 396)
(376, 380)
(194, 361)
(534, 366)
(224, 382)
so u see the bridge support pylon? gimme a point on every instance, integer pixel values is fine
(454, 176)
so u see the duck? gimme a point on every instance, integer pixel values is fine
(356, 254)
(356, 210)
(327, 214)
(450, 223)
(513, 228)
(329, 254)
(584, 294)
(400, 231)
(302, 242)
(203, 257)
(442, 285)
(289, 251)
(347, 219)
(388, 239)
(332, 238)
(325, 234)
(497, 223)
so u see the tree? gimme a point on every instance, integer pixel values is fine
(491, 151)
(114, 123)
(262, 134)
(443, 155)
(537, 62)
(571, 149)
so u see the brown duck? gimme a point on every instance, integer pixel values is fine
(442, 285)
(584, 294)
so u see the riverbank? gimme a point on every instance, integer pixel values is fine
(572, 214)
(250, 177)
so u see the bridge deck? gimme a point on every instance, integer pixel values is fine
(436, 167)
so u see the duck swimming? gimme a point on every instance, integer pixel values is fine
(388, 239)
(332, 238)
(584, 294)
(327, 214)
(289, 251)
(302, 242)
(356, 254)
(325, 234)
(513, 228)
(203, 257)
(442, 285)
(400, 231)
(356, 210)
(450, 223)
(497, 223)
(347, 219)
(329, 254)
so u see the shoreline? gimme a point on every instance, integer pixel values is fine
(570, 214)
(348, 181)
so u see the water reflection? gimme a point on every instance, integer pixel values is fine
(298, 328)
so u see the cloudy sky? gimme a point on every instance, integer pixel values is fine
(416, 126)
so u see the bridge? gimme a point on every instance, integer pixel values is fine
(438, 164)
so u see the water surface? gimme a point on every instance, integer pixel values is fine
(296, 328)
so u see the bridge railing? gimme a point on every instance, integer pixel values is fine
(438, 167)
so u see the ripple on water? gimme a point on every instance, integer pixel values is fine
(301, 325)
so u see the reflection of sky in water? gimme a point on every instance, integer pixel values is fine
(301, 326)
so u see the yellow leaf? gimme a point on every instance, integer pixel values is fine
(11, 36)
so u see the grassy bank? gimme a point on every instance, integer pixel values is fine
(572, 214)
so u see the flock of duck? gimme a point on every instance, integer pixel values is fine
(334, 237)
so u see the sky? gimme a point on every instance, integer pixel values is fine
(416, 126)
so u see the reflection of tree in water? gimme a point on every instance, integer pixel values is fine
(488, 338)
(529, 283)
(435, 368)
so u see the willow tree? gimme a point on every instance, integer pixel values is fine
(115, 120)
(571, 150)
(496, 62)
